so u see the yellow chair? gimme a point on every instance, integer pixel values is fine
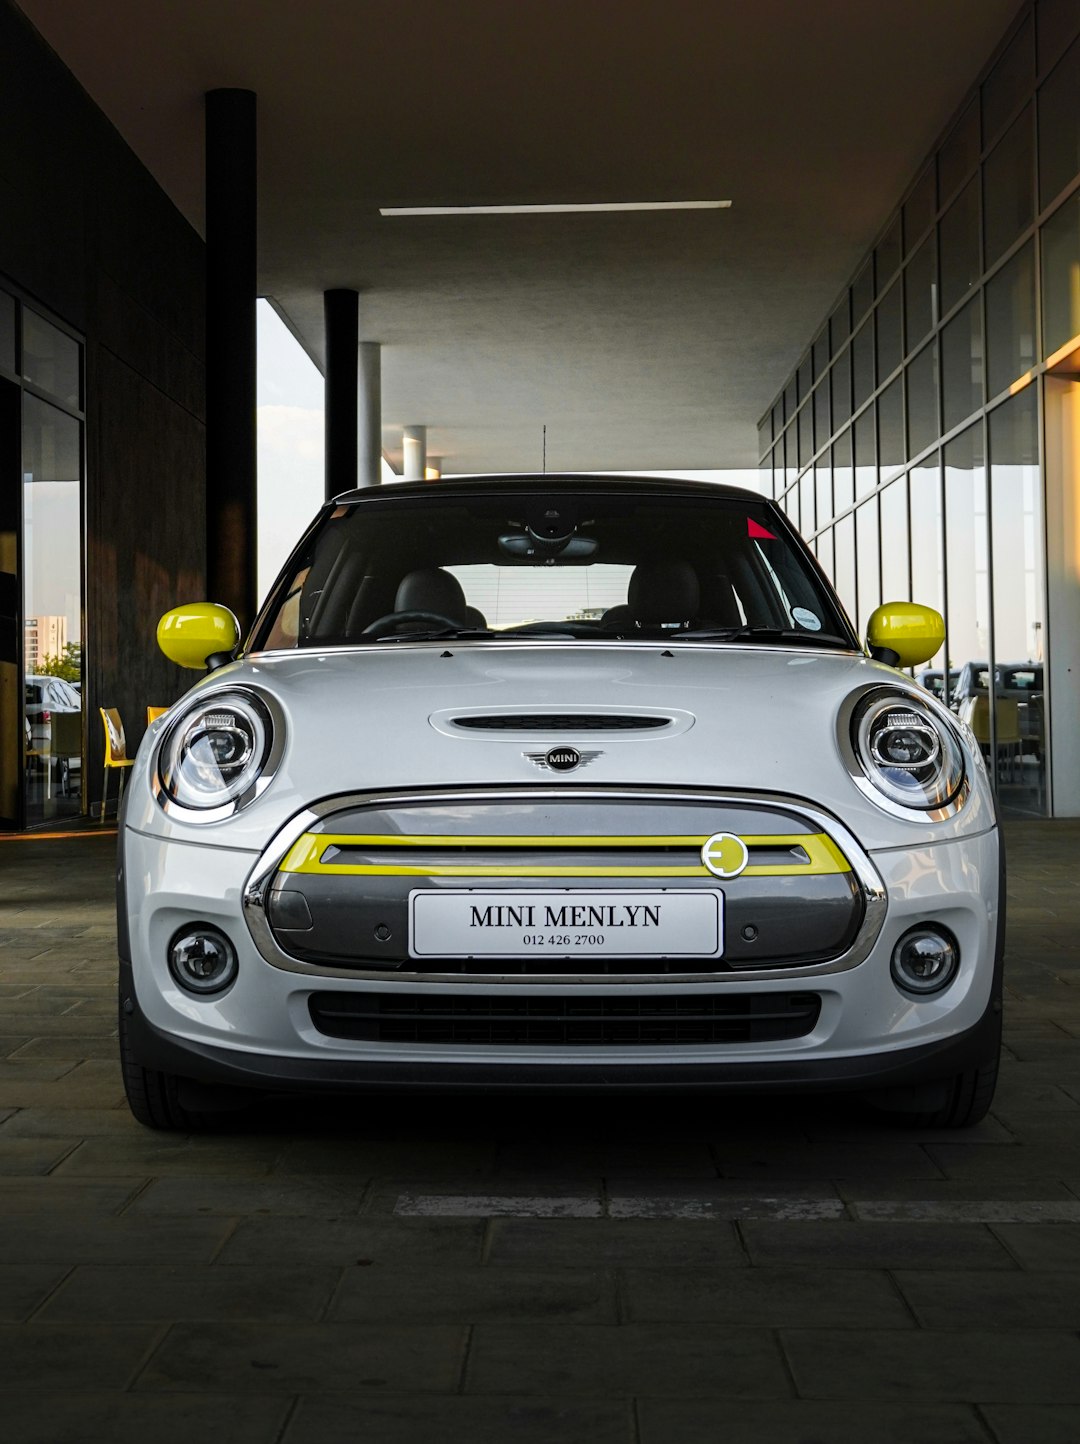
(115, 754)
(975, 711)
(153, 713)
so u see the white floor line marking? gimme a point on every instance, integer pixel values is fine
(727, 1208)
(459, 1205)
(793, 1210)
(1048, 1210)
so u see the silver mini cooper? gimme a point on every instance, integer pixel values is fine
(562, 782)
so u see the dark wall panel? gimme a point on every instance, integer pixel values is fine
(139, 566)
(86, 233)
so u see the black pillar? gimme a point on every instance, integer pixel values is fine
(231, 502)
(341, 311)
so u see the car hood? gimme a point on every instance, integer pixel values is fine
(746, 718)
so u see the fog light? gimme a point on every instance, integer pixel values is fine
(925, 960)
(202, 960)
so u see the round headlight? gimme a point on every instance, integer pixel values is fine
(907, 753)
(214, 753)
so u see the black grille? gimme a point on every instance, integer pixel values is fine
(647, 1021)
(562, 722)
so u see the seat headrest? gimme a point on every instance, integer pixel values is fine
(432, 590)
(663, 592)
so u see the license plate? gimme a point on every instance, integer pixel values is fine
(467, 923)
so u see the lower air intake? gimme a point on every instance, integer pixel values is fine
(560, 1022)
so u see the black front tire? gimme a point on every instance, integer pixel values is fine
(958, 1102)
(153, 1096)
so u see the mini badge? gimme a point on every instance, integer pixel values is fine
(561, 759)
(725, 855)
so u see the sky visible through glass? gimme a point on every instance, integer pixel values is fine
(290, 445)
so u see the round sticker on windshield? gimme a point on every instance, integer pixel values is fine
(806, 619)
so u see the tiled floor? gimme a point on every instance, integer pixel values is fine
(665, 1272)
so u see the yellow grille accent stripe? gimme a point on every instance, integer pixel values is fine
(446, 839)
(306, 856)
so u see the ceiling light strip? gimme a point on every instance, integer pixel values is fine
(553, 210)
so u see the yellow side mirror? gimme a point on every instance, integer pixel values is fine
(191, 635)
(911, 632)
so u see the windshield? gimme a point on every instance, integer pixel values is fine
(554, 562)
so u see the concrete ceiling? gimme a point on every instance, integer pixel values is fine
(645, 340)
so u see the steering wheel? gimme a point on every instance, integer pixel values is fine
(381, 626)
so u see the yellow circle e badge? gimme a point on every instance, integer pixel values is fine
(725, 855)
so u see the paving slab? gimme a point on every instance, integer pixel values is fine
(314, 1358)
(79, 1238)
(420, 1294)
(872, 1129)
(66, 1092)
(35, 1070)
(402, 1419)
(827, 1160)
(68, 1123)
(591, 1156)
(78, 1417)
(360, 1157)
(103, 1046)
(224, 1194)
(803, 1421)
(1023, 1163)
(147, 1154)
(22, 1156)
(430, 1243)
(33, 1023)
(60, 1197)
(875, 1245)
(1033, 1423)
(271, 1292)
(764, 1297)
(1042, 1246)
(12, 1043)
(611, 1243)
(48, 1357)
(985, 1366)
(595, 1360)
(24, 1287)
(942, 1299)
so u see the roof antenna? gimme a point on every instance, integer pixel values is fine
(545, 448)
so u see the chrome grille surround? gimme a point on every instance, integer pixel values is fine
(256, 891)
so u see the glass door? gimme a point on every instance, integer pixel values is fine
(51, 565)
(12, 741)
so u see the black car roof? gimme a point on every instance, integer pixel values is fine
(561, 481)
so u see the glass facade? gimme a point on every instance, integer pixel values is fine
(926, 470)
(42, 728)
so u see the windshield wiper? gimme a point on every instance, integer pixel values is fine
(438, 634)
(759, 634)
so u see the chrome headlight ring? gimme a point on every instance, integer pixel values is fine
(218, 754)
(905, 753)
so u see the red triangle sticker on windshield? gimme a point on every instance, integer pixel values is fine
(754, 529)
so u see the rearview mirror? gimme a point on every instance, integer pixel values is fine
(903, 634)
(201, 634)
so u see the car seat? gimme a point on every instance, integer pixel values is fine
(658, 593)
(430, 589)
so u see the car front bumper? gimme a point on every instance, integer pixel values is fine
(260, 1033)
